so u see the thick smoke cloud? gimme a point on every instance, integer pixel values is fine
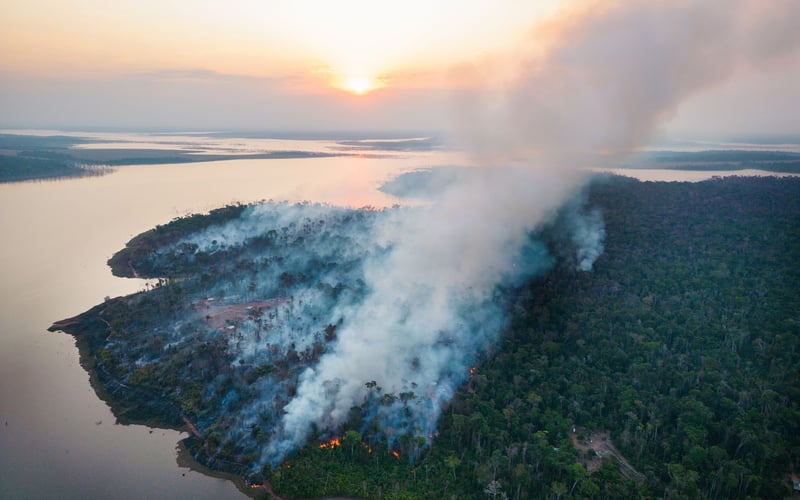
(606, 75)
(429, 311)
(610, 76)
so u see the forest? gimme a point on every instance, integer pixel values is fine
(713, 160)
(670, 369)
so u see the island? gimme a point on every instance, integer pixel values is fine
(670, 369)
(34, 157)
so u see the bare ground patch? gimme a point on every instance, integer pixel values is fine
(226, 317)
(594, 447)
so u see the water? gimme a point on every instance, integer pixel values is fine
(57, 439)
(667, 175)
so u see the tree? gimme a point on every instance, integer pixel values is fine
(352, 438)
(558, 488)
(452, 462)
(494, 488)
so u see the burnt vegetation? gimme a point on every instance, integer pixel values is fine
(682, 347)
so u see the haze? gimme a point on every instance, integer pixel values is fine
(351, 65)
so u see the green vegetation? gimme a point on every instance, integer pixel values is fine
(20, 168)
(29, 167)
(769, 161)
(683, 343)
(25, 158)
(144, 245)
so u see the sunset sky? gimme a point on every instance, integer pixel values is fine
(313, 65)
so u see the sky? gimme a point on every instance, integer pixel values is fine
(308, 65)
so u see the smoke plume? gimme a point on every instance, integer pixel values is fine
(601, 82)
(605, 76)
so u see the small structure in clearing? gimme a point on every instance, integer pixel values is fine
(594, 447)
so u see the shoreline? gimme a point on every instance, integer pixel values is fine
(99, 380)
(185, 458)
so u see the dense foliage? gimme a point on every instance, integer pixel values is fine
(143, 246)
(770, 161)
(682, 343)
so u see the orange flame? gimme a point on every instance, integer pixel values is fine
(329, 445)
(396, 454)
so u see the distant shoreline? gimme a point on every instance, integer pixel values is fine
(29, 158)
(42, 157)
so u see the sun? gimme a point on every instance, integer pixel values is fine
(359, 85)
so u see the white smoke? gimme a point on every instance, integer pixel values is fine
(611, 75)
(428, 312)
(602, 78)
(587, 233)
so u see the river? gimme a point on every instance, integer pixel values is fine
(57, 439)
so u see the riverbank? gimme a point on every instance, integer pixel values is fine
(253, 490)
(138, 405)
